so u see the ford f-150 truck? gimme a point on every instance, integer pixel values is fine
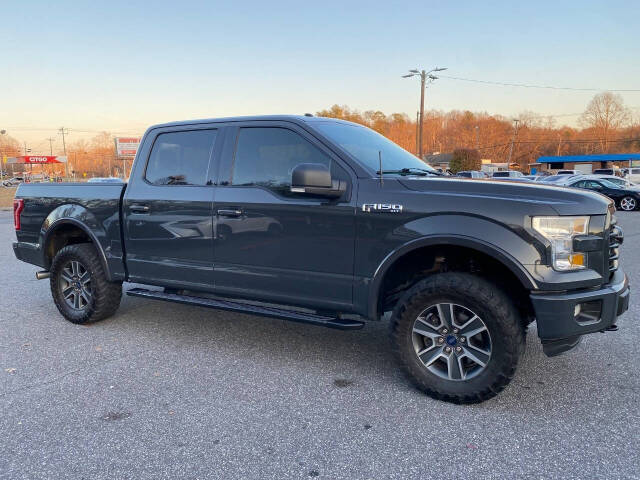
(326, 222)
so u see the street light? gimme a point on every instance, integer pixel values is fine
(424, 76)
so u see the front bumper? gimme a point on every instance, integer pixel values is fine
(560, 329)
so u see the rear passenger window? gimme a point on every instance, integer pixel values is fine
(266, 156)
(180, 158)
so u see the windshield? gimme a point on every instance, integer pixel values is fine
(364, 144)
(621, 182)
(608, 184)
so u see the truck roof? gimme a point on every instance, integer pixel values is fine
(289, 118)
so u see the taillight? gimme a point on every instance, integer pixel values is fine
(18, 206)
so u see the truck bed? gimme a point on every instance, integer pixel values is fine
(93, 206)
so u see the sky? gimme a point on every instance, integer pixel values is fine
(121, 66)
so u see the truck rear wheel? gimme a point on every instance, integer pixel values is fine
(79, 285)
(458, 336)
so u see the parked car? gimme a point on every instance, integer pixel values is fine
(13, 181)
(620, 181)
(568, 172)
(608, 171)
(626, 199)
(507, 174)
(105, 180)
(471, 174)
(633, 174)
(316, 232)
(558, 179)
(534, 178)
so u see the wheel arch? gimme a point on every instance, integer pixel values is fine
(68, 231)
(446, 241)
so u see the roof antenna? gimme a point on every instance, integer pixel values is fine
(380, 171)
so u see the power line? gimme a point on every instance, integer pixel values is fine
(549, 87)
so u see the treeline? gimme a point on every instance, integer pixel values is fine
(606, 127)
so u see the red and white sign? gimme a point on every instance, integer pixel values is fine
(37, 159)
(127, 146)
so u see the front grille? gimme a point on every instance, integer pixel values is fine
(616, 238)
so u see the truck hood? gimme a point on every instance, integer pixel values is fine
(564, 201)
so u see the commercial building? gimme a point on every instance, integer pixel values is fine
(585, 163)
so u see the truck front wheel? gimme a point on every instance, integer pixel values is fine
(79, 285)
(458, 336)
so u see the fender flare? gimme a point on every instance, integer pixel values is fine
(490, 249)
(56, 224)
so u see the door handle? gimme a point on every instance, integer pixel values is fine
(232, 212)
(139, 208)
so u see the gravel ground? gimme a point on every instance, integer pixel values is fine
(6, 197)
(170, 391)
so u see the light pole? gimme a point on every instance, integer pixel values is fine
(424, 76)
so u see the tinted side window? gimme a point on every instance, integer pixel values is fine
(180, 158)
(266, 156)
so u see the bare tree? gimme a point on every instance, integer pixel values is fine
(605, 114)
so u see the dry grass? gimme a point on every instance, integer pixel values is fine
(6, 196)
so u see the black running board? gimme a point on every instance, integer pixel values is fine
(272, 312)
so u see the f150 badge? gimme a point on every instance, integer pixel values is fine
(381, 207)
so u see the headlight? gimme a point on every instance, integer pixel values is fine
(560, 231)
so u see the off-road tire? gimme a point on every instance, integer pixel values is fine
(498, 314)
(105, 295)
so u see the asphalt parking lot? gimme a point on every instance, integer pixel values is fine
(170, 391)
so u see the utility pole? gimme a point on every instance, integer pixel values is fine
(423, 82)
(25, 154)
(513, 139)
(477, 138)
(2, 155)
(51, 139)
(424, 77)
(417, 130)
(63, 131)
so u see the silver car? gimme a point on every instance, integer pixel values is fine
(621, 182)
(12, 182)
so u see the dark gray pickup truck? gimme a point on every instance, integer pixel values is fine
(326, 222)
